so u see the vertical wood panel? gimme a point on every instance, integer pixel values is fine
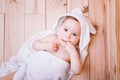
(97, 49)
(2, 4)
(54, 8)
(34, 17)
(34, 6)
(107, 42)
(1, 37)
(33, 24)
(118, 37)
(14, 27)
(111, 35)
(82, 4)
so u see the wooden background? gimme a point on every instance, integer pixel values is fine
(21, 19)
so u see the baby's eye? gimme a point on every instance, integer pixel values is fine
(65, 29)
(74, 34)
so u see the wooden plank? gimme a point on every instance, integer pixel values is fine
(1, 37)
(97, 49)
(34, 6)
(81, 4)
(118, 37)
(2, 4)
(34, 23)
(92, 54)
(111, 35)
(14, 27)
(35, 17)
(54, 8)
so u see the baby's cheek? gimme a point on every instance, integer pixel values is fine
(74, 43)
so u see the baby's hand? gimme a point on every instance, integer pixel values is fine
(52, 46)
(70, 48)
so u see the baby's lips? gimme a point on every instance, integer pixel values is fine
(63, 43)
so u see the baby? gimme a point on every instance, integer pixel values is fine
(63, 44)
(56, 54)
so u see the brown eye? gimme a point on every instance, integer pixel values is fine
(74, 34)
(65, 29)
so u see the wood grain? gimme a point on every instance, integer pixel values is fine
(2, 6)
(111, 38)
(34, 17)
(54, 8)
(34, 23)
(1, 37)
(14, 27)
(34, 6)
(118, 37)
(97, 47)
(82, 4)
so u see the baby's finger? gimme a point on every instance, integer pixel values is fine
(69, 46)
(56, 44)
(56, 48)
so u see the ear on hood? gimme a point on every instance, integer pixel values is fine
(79, 11)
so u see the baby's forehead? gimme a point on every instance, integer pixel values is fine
(67, 20)
(71, 20)
(71, 23)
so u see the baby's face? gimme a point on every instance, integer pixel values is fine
(69, 31)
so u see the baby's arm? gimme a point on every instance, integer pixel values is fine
(48, 43)
(76, 64)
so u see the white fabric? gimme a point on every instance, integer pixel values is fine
(45, 66)
(21, 61)
(9, 67)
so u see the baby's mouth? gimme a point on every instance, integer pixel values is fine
(64, 40)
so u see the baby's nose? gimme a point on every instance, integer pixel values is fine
(68, 36)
